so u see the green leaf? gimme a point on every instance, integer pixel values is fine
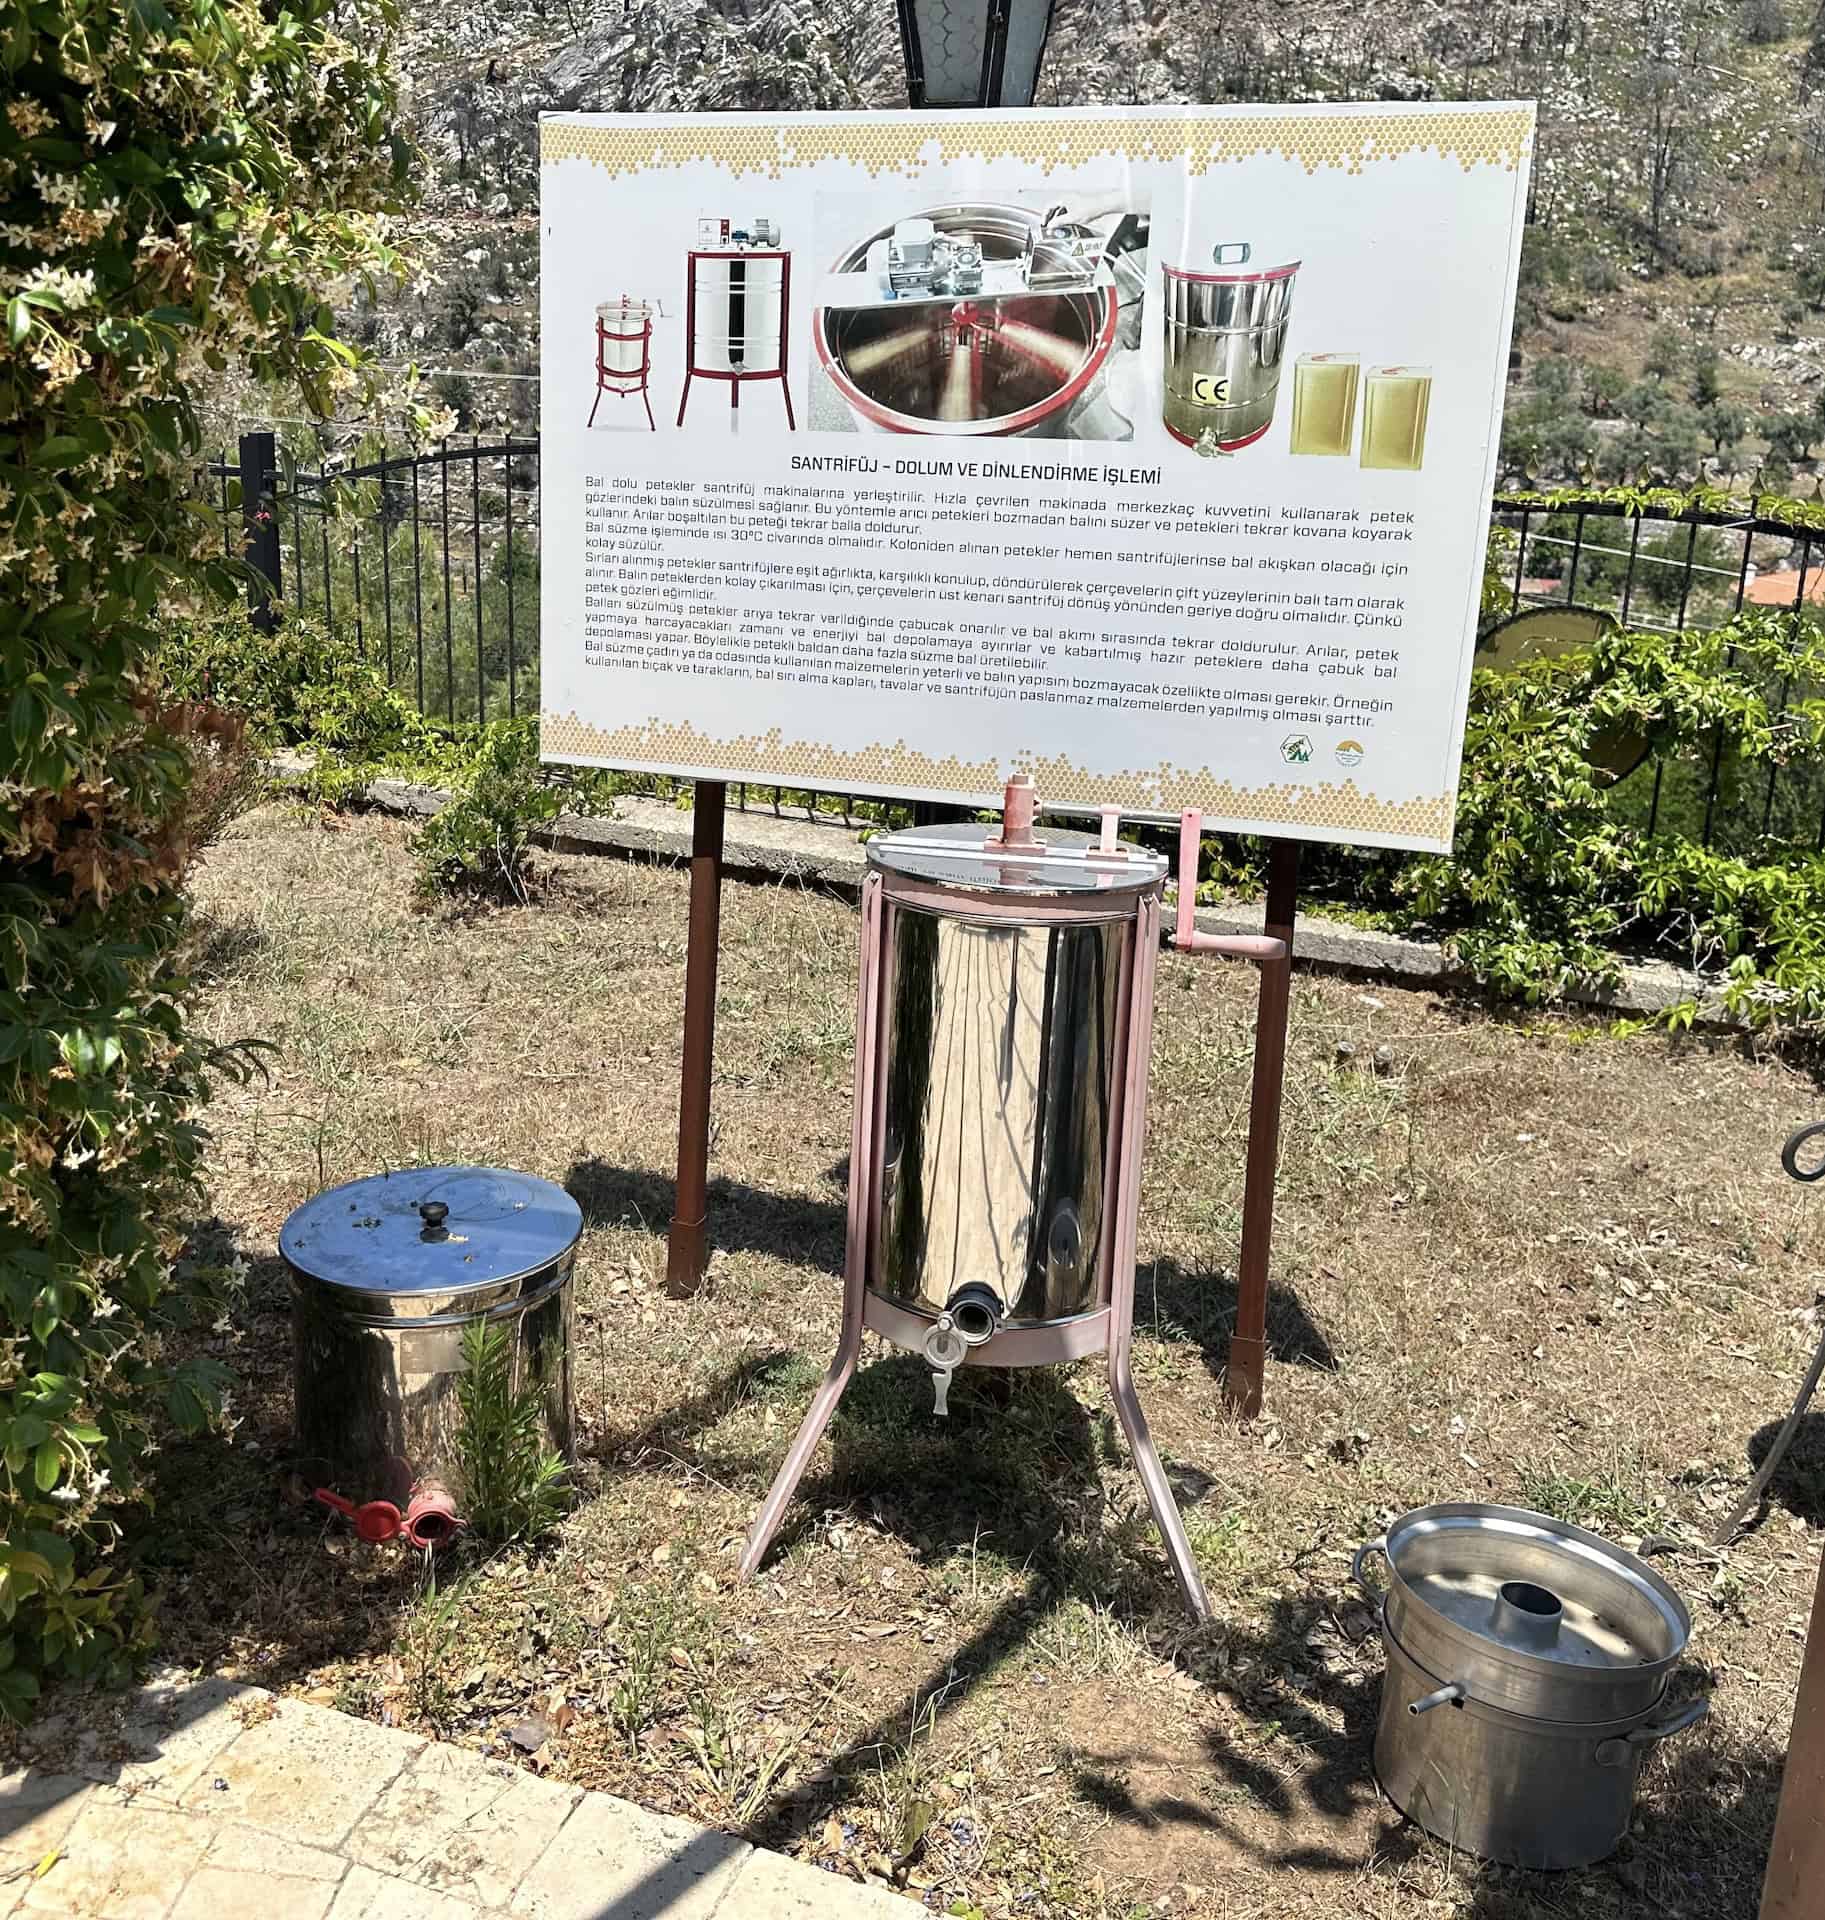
(47, 1469)
(18, 321)
(59, 451)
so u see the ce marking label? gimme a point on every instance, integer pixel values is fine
(1209, 390)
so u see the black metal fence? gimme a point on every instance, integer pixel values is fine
(430, 563)
(1682, 573)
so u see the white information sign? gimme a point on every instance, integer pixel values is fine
(1146, 450)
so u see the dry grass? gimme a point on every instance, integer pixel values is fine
(1531, 1262)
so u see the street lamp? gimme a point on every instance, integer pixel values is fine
(973, 53)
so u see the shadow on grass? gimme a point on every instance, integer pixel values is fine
(1197, 1307)
(1799, 1481)
(792, 1227)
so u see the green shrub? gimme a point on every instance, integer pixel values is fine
(501, 795)
(1553, 881)
(178, 183)
(513, 1484)
(303, 688)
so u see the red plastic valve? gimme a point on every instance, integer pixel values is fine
(431, 1519)
(376, 1521)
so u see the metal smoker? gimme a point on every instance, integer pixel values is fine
(1003, 1023)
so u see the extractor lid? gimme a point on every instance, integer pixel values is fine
(1530, 1586)
(431, 1230)
(1064, 865)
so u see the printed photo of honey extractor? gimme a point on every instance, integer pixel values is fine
(983, 319)
(1225, 340)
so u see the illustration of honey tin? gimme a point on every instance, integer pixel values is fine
(1324, 402)
(1396, 401)
(1225, 339)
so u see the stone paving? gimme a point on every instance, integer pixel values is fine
(206, 1800)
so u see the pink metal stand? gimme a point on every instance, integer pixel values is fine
(1107, 1330)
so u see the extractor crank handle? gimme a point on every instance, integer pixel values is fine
(1185, 934)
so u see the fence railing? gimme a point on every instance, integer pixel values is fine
(430, 563)
(1681, 573)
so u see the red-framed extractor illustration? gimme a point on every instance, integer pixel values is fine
(624, 353)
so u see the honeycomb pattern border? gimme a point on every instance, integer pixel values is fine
(897, 768)
(759, 146)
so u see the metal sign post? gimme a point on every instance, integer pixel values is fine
(1796, 1860)
(1242, 1380)
(686, 1250)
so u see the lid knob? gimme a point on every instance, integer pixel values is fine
(433, 1213)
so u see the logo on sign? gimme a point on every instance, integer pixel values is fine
(1349, 753)
(1209, 390)
(1296, 750)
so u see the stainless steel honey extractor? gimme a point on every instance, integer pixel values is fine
(1005, 1032)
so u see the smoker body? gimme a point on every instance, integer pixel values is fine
(1225, 343)
(1032, 365)
(1003, 1021)
(738, 303)
(386, 1275)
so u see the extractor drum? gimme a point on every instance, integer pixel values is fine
(739, 301)
(1003, 1062)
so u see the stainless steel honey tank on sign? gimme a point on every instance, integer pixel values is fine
(1225, 343)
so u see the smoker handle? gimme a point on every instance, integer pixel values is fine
(1360, 1559)
(1612, 1753)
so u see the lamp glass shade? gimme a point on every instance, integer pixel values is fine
(974, 53)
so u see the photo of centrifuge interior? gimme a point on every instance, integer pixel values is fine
(986, 319)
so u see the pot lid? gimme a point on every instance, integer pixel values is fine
(431, 1230)
(954, 856)
(1533, 1587)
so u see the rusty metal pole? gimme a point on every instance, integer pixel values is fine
(685, 1248)
(1243, 1378)
(1795, 1881)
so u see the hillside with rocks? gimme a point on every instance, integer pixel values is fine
(1672, 313)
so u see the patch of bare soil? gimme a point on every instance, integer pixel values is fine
(1532, 1262)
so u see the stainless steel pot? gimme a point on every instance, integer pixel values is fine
(1527, 1673)
(386, 1274)
(1225, 342)
(1020, 366)
(1003, 1054)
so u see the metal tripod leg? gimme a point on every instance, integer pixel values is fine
(1121, 1308)
(811, 1431)
(861, 1161)
(1159, 1491)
